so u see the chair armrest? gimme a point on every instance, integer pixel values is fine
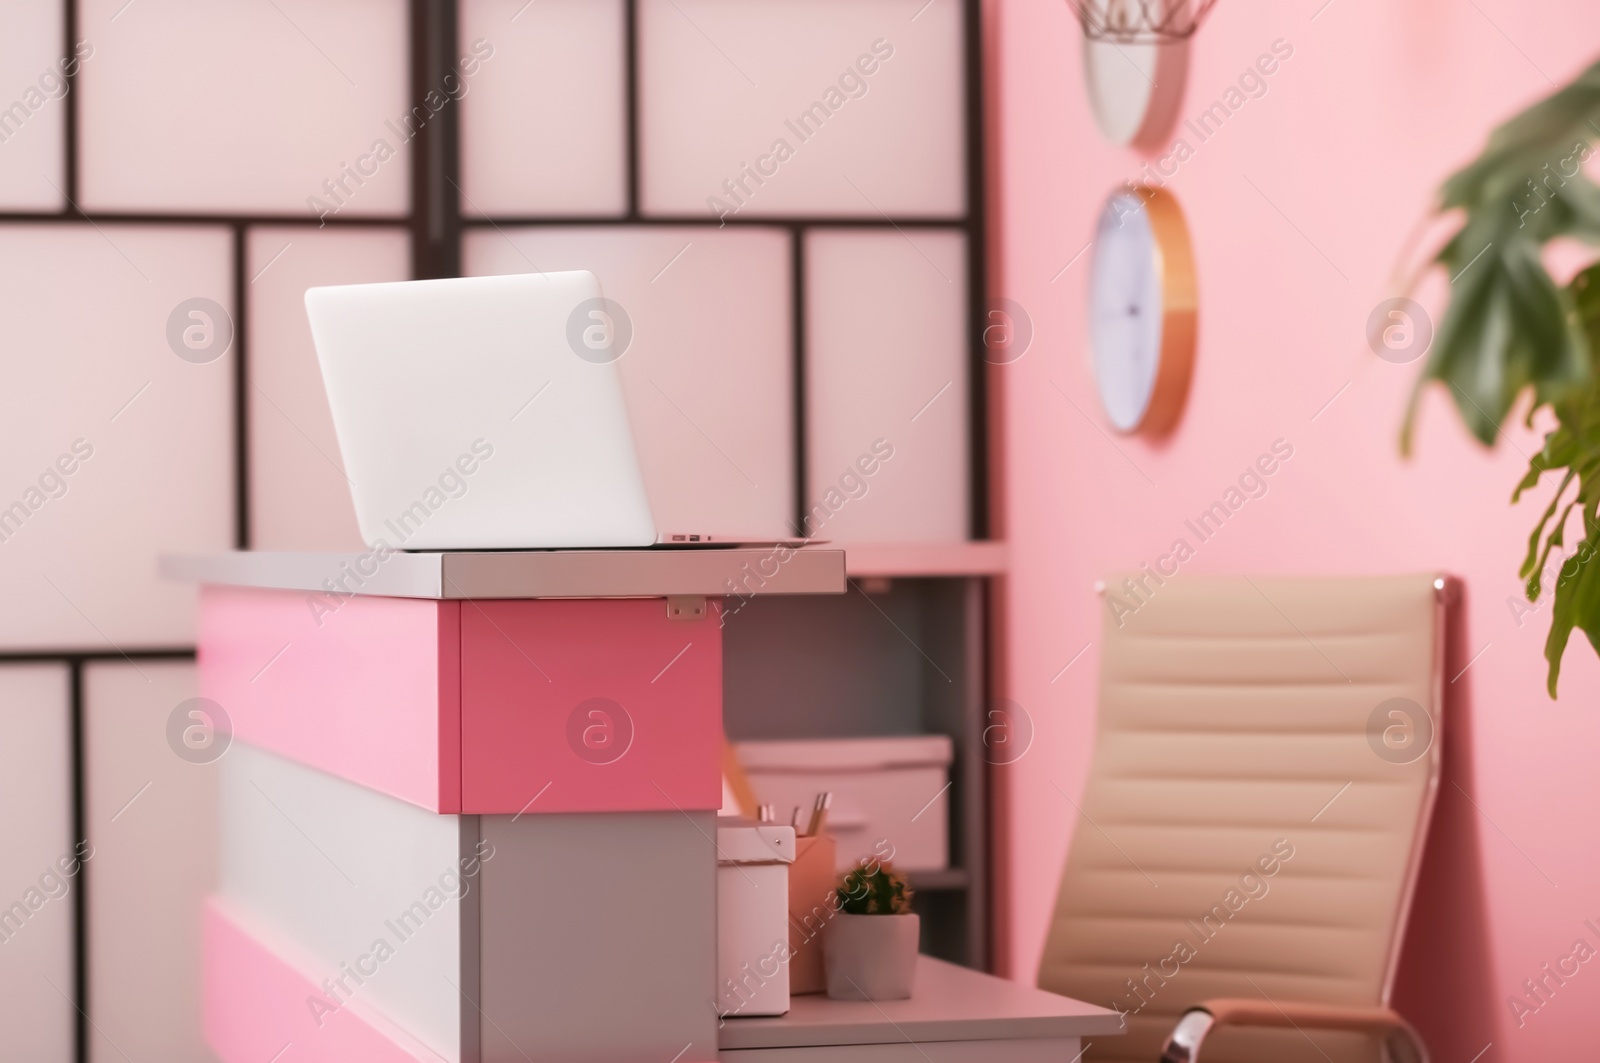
(1183, 1046)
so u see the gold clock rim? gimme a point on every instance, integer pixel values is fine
(1179, 310)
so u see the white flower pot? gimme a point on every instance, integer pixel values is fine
(870, 957)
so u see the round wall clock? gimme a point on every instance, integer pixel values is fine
(1142, 309)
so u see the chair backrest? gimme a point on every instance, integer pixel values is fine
(1264, 770)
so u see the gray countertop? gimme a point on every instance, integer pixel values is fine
(949, 1003)
(644, 573)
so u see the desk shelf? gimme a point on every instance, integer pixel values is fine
(973, 558)
(900, 657)
(984, 1015)
(945, 880)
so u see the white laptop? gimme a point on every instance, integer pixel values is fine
(484, 413)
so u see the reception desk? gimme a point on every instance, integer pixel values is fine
(469, 808)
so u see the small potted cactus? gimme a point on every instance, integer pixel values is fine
(870, 945)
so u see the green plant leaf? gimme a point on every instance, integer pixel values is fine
(1510, 330)
(1576, 605)
(1519, 148)
(1508, 327)
(874, 889)
(1573, 445)
(1533, 563)
(1469, 353)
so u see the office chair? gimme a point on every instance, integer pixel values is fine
(1248, 841)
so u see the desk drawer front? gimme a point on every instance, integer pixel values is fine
(587, 705)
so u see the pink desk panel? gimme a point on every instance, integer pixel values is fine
(606, 702)
(255, 1005)
(539, 705)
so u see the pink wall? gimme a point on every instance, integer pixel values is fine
(1298, 206)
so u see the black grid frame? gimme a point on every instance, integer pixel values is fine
(970, 224)
(435, 224)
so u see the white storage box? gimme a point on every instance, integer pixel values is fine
(753, 917)
(889, 794)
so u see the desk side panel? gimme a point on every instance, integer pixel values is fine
(599, 938)
(352, 687)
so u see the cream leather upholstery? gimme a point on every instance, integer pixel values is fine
(1232, 712)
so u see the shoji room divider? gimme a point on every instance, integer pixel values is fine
(791, 308)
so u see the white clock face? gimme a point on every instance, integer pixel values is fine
(1125, 310)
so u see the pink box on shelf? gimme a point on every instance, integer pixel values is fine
(537, 705)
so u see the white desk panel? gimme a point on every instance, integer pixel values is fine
(334, 866)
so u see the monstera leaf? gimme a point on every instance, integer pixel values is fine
(1573, 446)
(1508, 326)
(1510, 329)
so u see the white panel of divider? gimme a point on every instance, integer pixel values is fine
(709, 370)
(271, 106)
(886, 386)
(801, 108)
(116, 421)
(544, 122)
(39, 864)
(34, 64)
(151, 814)
(299, 495)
